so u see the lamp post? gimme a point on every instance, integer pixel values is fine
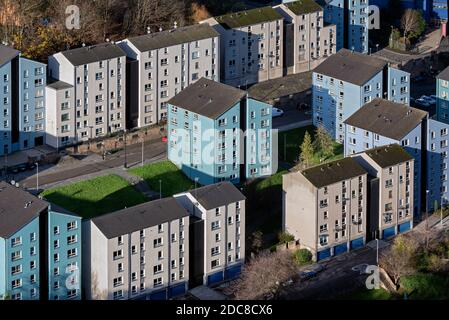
(37, 176)
(126, 159)
(143, 147)
(160, 189)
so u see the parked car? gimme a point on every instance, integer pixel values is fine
(422, 102)
(429, 100)
(307, 275)
(31, 166)
(360, 268)
(22, 167)
(277, 113)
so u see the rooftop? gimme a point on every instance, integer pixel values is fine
(17, 209)
(173, 37)
(208, 98)
(142, 216)
(59, 85)
(333, 172)
(7, 54)
(281, 87)
(387, 156)
(95, 53)
(352, 67)
(444, 75)
(303, 6)
(248, 17)
(389, 119)
(217, 195)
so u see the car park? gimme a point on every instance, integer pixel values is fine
(307, 275)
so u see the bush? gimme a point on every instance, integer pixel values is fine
(285, 237)
(303, 257)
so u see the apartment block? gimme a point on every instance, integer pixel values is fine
(382, 122)
(442, 93)
(217, 227)
(162, 64)
(88, 99)
(390, 187)
(346, 81)
(251, 46)
(217, 133)
(325, 207)
(20, 250)
(23, 99)
(140, 252)
(308, 39)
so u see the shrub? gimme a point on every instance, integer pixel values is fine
(285, 237)
(303, 257)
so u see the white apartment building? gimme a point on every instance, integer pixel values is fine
(162, 64)
(251, 46)
(88, 100)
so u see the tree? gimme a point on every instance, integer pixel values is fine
(302, 257)
(306, 153)
(256, 241)
(323, 142)
(264, 274)
(399, 260)
(412, 23)
(285, 237)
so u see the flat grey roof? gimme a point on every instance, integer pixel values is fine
(17, 209)
(173, 37)
(59, 85)
(208, 98)
(387, 156)
(248, 17)
(217, 195)
(139, 217)
(7, 54)
(386, 118)
(94, 53)
(333, 172)
(281, 87)
(352, 67)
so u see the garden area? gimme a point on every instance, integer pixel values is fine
(95, 197)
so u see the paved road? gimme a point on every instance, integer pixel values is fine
(291, 118)
(155, 150)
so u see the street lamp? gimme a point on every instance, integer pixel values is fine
(37, 177)
(126, 159)
(160, 189)
(143, 146)
(441, 212)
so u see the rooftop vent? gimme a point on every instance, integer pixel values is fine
(28, 204)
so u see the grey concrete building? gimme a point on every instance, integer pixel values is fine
(308, 39)
(251, 45)
(391, 171)
(162, 64)
(325, 207)
(217, 232)
(88, 101)
(137, 253)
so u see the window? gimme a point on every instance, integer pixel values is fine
(71, 253)
(157, 269)
(215, 251)
(16, 241)
(157, 282)
(117, 254)
(215, 225)
(215, 263)
(71, 226)
(118, 295)
(71, 239)
(117, 281)
(157, 242)
(217, 211)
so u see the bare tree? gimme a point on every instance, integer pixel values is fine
(412, 23)
(399, 260)
(264, 274)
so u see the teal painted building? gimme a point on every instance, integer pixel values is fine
(20, 250)
(217, 133)
(442, 88)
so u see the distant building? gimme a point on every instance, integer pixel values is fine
(325, 207)
(88, 99)
(205, 140)
(162, 64)
(390, 187)
(346, 81)
(251, 45)
(308, 39)
(22, 120)
(217, 243)
(442, 93)
(382, 122)
(140, 252)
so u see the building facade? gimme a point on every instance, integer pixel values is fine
(137, 253)
(162, 64)
(308, 39)
(391, 205)
(218, 232)
(20, 250)
(23, 99)
(213, 129)
(346, 81)
(442, 93)
(382, 122)
(325, 207)
(251, 46)
(90, 100)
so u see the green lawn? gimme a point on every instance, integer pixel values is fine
(172, 179)
(365, 294)
(95, 197)
(292, 141)
(426, 286)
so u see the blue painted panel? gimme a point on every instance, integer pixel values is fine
(357, 243)
(323, 254)
(160, 295)
(215, 278)
(177, 290)
(341, 248)
(233, 272)
(406, 226)
(387, 233)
